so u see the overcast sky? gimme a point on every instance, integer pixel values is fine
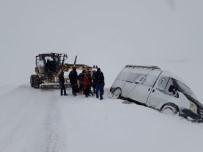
(110, 33)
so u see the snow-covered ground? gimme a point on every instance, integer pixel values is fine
(37, 120)
(111, 34)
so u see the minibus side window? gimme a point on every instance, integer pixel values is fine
(131, 78)
(123, 76)
(162, 83)
(170, 83)
(149, 80)
(140, 78)
(171, 88)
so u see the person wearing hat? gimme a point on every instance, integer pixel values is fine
(73, 80)
(99, 79)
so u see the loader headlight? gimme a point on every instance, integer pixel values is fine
(193, 107)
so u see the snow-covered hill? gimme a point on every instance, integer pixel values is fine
(34, 120)
(111, 34)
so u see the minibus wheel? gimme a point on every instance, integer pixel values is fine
(116, 94)
(169, 109)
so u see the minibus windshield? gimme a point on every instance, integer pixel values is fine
(185, 89)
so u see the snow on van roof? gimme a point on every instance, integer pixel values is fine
(164, 72)
(141, 66)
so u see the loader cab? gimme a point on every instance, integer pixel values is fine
(49, 63)
(48, 66)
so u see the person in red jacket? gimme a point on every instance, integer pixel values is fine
(86, 83)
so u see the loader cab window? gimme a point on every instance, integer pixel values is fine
(56, 60)
(39, 61)
(50, 64)
(48, 59)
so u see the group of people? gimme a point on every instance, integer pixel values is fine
(84, 83)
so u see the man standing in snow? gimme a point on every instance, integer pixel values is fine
(73, 80)
(93, 81)
(99, 79)
(61, 82)
(80, 78)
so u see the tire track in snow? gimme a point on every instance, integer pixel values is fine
(33, 122)
(55, 136)
(24, 111)
(15, 115)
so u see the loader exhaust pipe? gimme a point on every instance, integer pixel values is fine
(75, 60)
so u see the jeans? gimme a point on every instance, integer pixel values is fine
(99, 90)
(63, 89)
(74, 89)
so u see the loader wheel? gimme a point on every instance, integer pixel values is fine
(34, 81)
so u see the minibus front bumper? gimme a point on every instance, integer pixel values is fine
(190, 115)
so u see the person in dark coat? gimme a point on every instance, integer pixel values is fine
(61, 82)
(99, 79)
(80, 78)
(89, 75)
(73, 80)
(93, 81)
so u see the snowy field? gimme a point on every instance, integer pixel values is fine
(35, 120)
(111, 34)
